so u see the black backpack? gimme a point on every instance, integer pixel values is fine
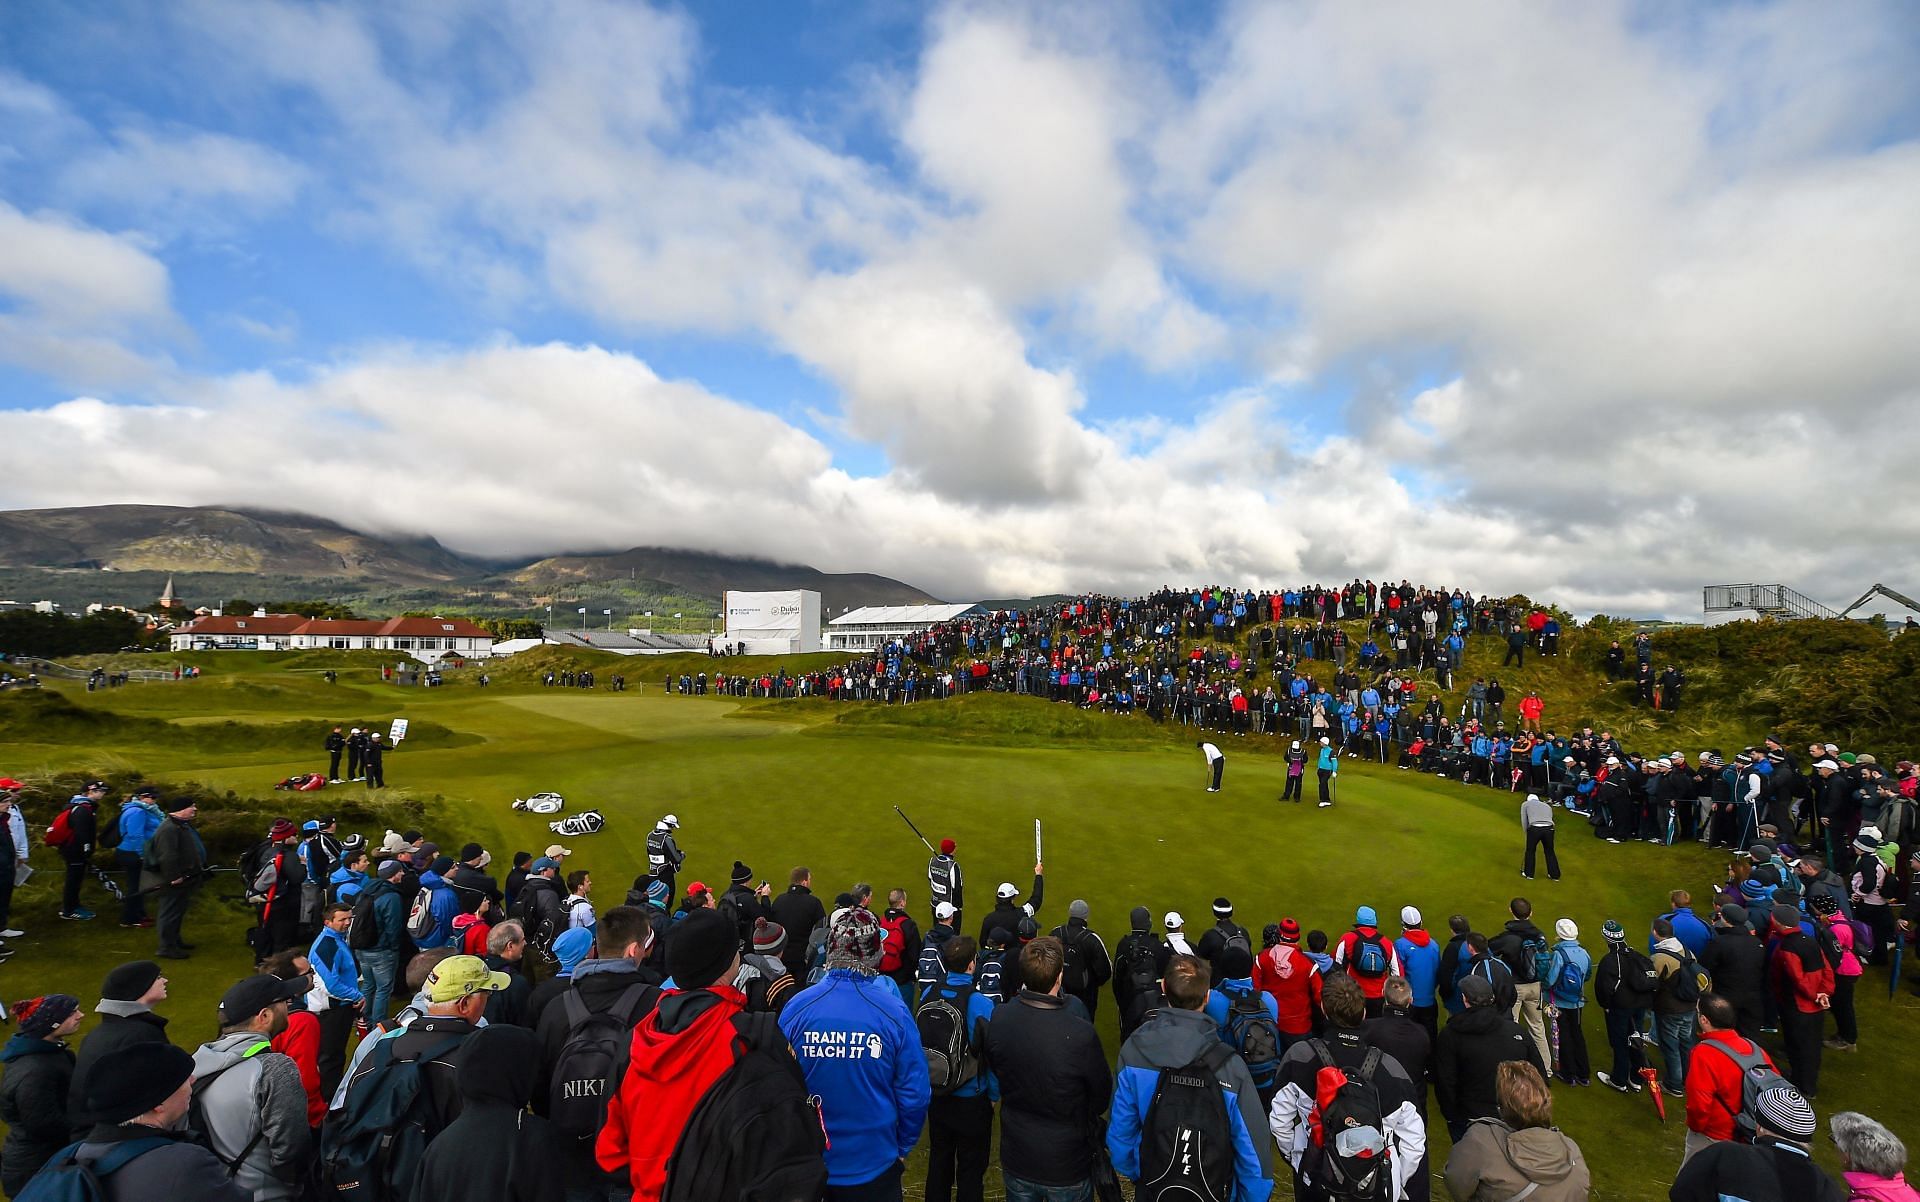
(371, 1152)
(1347, 1155)
(1689, 980)
(363, 931)
(946, 1036)
(1186, 1143)
(67, 1178)
(1074, 968)
(757, 1133)
(592, 1059)
(1140, 966)
(1254, 1034)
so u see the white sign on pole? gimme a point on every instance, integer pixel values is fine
(398, 732)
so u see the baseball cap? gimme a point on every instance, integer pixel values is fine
(250, 995)
(7, 782)
(1476, 991)
(1174, 921)
(556, 852)
(1409, 916)
(944, 911)
(1007, 889)
(459, 976)
(671, 822)
(542, 864)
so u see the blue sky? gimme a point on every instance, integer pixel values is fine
(992, 298)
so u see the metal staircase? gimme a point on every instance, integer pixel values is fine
(1767, 600)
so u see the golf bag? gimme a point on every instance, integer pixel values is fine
(586, 822)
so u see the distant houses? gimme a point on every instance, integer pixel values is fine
(426, 639)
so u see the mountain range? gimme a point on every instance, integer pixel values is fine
(96, 552)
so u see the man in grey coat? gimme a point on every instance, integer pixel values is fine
(252, 1106)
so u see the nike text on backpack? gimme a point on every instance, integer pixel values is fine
(947, 1039)
(420, 918)
(1186, 1143)
(591, 1061)
(1347, 1155)
(371, 1151)
(363, 931)
(1369, 957)
(1756, 1078)
(67, 1178)
(1253, 1033)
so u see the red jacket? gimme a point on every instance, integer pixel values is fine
(1793, 980)
(1370, 987)
(300, 1043)
(1715, 1091)
(676, 1056)
(1285, 972)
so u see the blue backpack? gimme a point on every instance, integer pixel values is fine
(930, 970)
(1569, 980)
(1369, 957)
(67, 1178)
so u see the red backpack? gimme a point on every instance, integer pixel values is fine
(894, 947)
(60, 834)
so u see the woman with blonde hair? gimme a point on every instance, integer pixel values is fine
(1521, 1153)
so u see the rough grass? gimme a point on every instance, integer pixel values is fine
(1125, 823)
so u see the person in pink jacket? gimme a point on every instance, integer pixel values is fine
(1874, 1157)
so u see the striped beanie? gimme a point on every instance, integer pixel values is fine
(1784, 1112)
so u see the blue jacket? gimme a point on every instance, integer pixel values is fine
(137, 822)
(389, 917)
(1420, 964)
(979, 1014)
(860, 1051)
(1328, 761)
(1173, 1039)
(1568, 952)
(1693, 934)
(446, 908)
(1218, 1003)
(334, 966)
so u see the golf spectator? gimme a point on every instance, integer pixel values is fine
(1693, 934)
(1177, 1036)
(1136, 970)
(36, 1079)
(1400, 1036)
(73, 835)
(1569, 968)
(1777, 1164)
(960, 1122)
(176, 862)
(507, 954)
(337, 973)
(1368, 957)
(1293, 980)
(1803, 985)
(1088, 967)
(1523, 948)
(1419, 958)
(1455, 958)
(1471, 1047)
(798, 911)
(857, 1043)
(1737, 961)
(127, 998)
(1716, 1075)
(1519, 1153)
(1006, 911)
(143, 1095)
(1624, 985)
(380, 963)
(1673, 1013)
(1344, 1046)
(479, 892)
(299, 1040)
(1839, 937)
(1224, 933)
(139, 819)
(253, 1109)
(1874, 1159)
(1054, 1083)
(495, 1151)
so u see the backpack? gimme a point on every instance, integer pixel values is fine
(1238, 938)
(363, 932)
(1074, 967)
(67, 1178)
(1638, 977)
(988, 979)
(757, 1132)
(1186, 1143)
(60, 833)
(1689, 980)
(1569, 980)
(1536, 959)
(946, 1038)
(893, 944)
(592, 1060)
(1140, 966)
(197, 1115)
(371, 1149)
(259, 871)
(1347, 1154)
(930, 970)
(1369, 957)
(1756, 1077)
(1254, 1034)
(420, 922)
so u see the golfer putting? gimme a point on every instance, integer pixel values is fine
(1216, 764)
(1329, 768)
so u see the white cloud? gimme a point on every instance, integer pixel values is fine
(192, 175)
(76, 301)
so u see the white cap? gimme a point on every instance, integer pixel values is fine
(1174, 921)
(1325, 741)
(1613, 761)
(670, 822)
(944, 911)
(1533, 797)
(1007, 890)
(1818, 764)
(1409, 916)
(556, 851)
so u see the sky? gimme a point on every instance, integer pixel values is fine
(1596, 302)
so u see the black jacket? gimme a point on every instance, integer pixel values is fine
(1450, 959)
(494, 1151)
(1054, 1085)
(1761, 1171)
(472, 884)
(1472, 1046)
(116, 1033)
(540, 910)
(599, 989)
(83, 819)
(1093, 952)
(745, 906)
(38, 1075)
(1214, 943)
(181, 1169)
(1508, 946)
(1738, 963)
(1007, 913)
(514, 1004)
(799, 911)
(1400, 1037)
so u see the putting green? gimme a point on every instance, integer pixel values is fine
(777, 784)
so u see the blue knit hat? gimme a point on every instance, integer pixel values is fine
(572, 947)
(1364, 917)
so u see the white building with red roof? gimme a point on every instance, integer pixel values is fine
(426, 639)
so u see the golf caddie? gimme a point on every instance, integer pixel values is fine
(944, 880)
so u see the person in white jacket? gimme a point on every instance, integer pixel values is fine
(16, 842)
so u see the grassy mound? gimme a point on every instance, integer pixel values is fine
(49, 717)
